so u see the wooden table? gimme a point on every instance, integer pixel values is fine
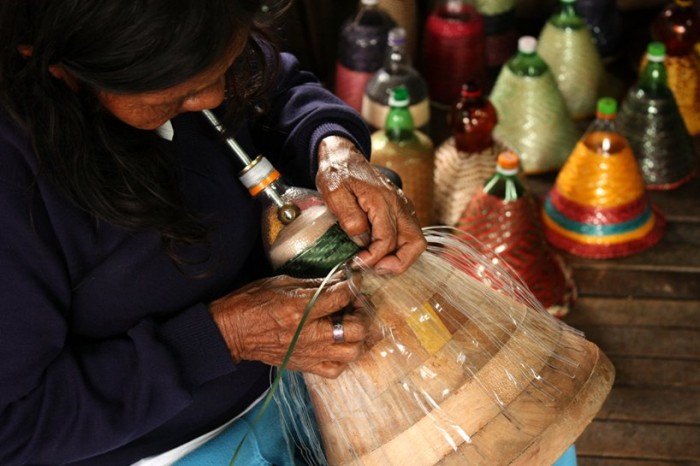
(644, 313)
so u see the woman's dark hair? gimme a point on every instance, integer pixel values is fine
(113, 171)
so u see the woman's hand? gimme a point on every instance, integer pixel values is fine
(259, 321)
(370, 209)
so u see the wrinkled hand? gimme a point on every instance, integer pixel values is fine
(259, 321)
(369, 207)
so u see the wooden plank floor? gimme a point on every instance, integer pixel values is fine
(644, 313)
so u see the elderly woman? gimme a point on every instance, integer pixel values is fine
(138, 313)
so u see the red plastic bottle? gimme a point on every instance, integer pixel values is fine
(453, 49)
(678, 27)
(472, 120)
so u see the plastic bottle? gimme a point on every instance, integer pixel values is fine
(453, 50)
(396, 71)
(361, 51)
(501, 40)
(465, 159)
(405, 13)
(565, 43)
(472, 119)
(599, 207)
(678, 27)
(528, 101)
(602, 136)
(652, 123)
(505, 184)
(653, 80)
(301, 236)
(408, 152)
(527, 62)
(294, 221)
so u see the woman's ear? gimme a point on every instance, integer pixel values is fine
(57, 70)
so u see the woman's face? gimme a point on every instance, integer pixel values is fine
(150, 110)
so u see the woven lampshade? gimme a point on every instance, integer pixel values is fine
(599, 207)
(465, 367)
(577, 66)
(533, 120)
(512, 232)
(458, 176)
(654, 127)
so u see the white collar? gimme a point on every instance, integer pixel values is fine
(166, 131)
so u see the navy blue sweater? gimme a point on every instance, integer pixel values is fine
(107, 351)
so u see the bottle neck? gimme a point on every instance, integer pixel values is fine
(602, 136)
(654, 77)
(604, 123)
(527, 64)
(399, 124)
(472, 120)
(567, 17)
(264, 182)
(366, 7)
(396, 58)
(372, 16)
(505, 184)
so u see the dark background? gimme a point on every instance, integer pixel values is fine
(310, 30)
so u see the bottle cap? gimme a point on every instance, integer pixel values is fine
(399, 97)
(508, 163)
(527, 44)
(397, 37)
(656, 52)
(570, 2)
(607, 107)
(370, 2)
(258, 175)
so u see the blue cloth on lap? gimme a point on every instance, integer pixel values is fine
(568, 458)
(266, 444)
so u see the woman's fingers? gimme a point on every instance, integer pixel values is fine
(370, 209)
(259, 322)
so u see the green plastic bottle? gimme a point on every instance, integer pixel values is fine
(654, 78)
(567, 46)
(652, 122)
(407, 151)
(505, 183)
(399, 125)
(566, 17)
(527, 62)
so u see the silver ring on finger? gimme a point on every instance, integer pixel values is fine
(338, 328)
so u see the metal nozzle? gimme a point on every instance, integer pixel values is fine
(237, 149)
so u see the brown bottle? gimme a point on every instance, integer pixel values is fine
(472, 120)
